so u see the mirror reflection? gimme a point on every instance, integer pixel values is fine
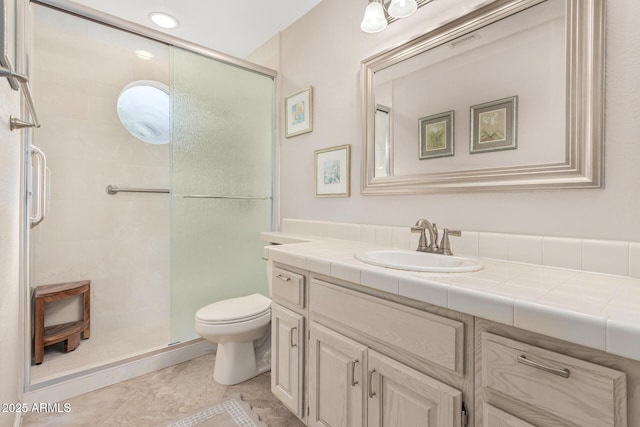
(490, 100)
(522, 56)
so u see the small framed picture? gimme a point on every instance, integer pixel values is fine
(333, 172)
(436, 136)
(298, 112)
(494, 126)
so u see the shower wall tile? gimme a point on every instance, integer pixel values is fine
(61, 95)
(121, 242)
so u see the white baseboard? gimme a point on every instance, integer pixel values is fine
(109, 375)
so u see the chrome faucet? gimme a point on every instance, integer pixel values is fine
(424, 245)
(431, 244)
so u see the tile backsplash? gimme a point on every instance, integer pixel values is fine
(600, 256)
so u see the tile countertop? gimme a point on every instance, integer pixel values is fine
(595, 310)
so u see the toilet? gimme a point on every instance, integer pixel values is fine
(242, 329)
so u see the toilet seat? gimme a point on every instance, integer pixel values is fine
(234, 310)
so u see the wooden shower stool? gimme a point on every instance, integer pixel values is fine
(68, 332)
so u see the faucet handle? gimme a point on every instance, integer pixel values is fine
(445, 245)
(422, 244)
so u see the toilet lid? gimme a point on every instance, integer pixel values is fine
(234, 309)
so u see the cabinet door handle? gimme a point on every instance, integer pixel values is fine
(291, 334)
(564, 373)
(370, 378)
(283, 278)
(353, 373)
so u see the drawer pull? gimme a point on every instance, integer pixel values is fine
(291, 334)
(353, 373)
(564, 373)
(283, 278)
(371, 392)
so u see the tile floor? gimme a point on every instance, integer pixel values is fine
(157, 398)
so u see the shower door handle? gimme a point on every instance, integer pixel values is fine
(42, 186)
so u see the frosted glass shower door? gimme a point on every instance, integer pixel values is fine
(222, 163)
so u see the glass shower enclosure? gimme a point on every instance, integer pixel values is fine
(153, 259)
(222, 163)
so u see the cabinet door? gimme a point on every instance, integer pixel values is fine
(287, 341)
(399, 396)
(336, 379)
(494, 417)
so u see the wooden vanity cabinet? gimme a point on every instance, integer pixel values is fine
(351, 356)
(337, 379)
(287, 358)
(353, 384)
(525, 379)
(288, 338)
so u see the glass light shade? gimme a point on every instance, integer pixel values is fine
(402, 8)
(374, 20)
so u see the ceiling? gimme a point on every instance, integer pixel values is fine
(235, 27)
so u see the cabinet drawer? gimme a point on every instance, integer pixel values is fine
(572, 389)
(288, 287)
(429, 337)
(494, 417)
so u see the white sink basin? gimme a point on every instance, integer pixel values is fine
(418, 261)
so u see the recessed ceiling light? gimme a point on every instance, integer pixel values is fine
(143, 54)
(163, 20)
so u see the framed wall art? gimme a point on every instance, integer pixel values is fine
(298, 112)
(333, 171)
(494, 126)
(436, 136)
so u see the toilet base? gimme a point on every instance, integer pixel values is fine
(237, 362)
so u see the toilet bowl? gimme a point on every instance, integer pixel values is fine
(241, 328)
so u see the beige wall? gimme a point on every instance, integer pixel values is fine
(324, 49)
(11, 330)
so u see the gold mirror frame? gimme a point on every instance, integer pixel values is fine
(585, 52)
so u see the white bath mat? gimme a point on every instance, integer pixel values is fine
(231, 412)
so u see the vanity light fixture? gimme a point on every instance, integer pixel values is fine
(163, 20)
(375, 19)
(402, 8)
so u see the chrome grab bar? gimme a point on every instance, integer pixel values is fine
(203, 196)
(8, 72)
(112, 189)
(42, 183)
